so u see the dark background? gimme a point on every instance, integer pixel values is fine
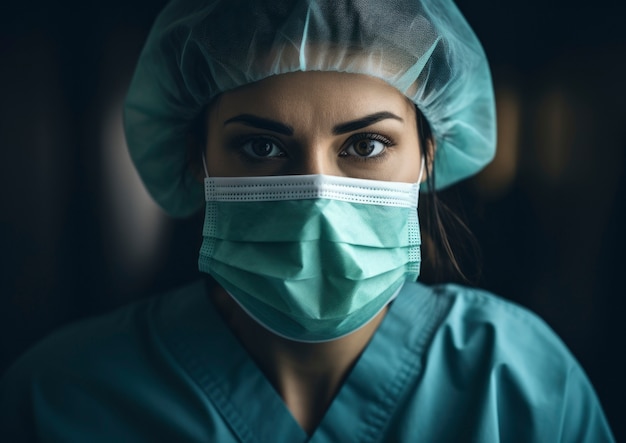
(78, 235)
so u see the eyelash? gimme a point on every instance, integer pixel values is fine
(387, 142)
(239, 142)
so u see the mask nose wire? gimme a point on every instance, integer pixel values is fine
(206, 171)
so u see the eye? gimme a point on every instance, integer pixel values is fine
(261, 147)
(367, 145)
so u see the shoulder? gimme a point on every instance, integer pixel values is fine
(484, 331)
(480, 318)
(90, 340)
(93, 362)
(500, 359)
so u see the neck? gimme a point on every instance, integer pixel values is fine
(306, 375)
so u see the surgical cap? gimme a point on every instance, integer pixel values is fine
(198, 49)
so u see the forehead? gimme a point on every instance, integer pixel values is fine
(329, 93)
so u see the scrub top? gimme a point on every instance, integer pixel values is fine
(447, 364)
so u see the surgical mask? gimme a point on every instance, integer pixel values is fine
(312, 258)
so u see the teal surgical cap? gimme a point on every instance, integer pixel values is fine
(199, 48)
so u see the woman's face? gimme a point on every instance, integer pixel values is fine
(314, 123)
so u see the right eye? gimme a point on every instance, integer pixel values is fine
(260, 148)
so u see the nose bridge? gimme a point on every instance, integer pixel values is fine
(317, 157)
(313, 160)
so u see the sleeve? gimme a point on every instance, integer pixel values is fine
(582, 417)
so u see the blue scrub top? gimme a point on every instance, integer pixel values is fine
(447, 364)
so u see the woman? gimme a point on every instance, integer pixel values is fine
(310, 128)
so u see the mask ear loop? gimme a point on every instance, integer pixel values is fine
(419, 180)
(206, 171)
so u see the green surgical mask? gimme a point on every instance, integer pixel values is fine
(311, 257)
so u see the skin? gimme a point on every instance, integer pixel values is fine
(309, 123)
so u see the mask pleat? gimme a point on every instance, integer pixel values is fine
(311, 268)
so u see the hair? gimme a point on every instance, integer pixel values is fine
(440, 225)
(438, 221)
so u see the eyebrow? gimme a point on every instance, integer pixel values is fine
(281, 128)
(364, 122)
(261, 123)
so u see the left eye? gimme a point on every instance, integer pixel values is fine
(366, 147)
